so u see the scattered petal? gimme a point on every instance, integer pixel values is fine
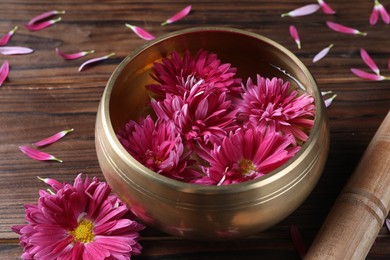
(42, 25)
(322, 53)
(388, 224)
(72, 56)
(297, 241)
(7, 36)
(329, 101)
(384, 14)
(344, 29)
(4, 71)
(44, 16)
(323, 93)
(365, 75)
(12, 50)
(178, 16)
(294, 34)
(88, 62)
(369, 61)
(304, 10)
(37, 155)
(379, 9)
(53, 138)
(141, 32)
(326, 8)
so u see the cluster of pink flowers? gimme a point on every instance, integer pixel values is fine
(211, 128)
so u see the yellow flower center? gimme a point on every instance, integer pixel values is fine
(83, 232)
(246, 166)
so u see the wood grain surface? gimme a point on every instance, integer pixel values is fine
(45, 94)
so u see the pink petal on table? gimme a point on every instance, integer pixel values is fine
(7, 36)
(141, 32)
(12, 50)
(294, 34)
(72, 56)
(365, 75)
(329, 101)
(384, 14)
(379, 9)
(297, 241)
(44, 16)
(304, 10)
(88, 62)
(369, 61)
(326, 8)
(42, 25)
(323, 93)
(4, 71)
(178, 16)
(37, 155)
(322, 53)
(343, 29)
(374, 15)
(388, 224)
(53, 138)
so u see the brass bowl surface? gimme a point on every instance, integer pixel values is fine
(196, 211)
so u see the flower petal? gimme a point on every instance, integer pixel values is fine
(369, 61)
(43, 16)
(88, 62)
(326, 8)
(374, 15)
(72, 56)
(388, 224)
(4, 71)
(53, 138)
(322, 53)
(178, 16)
(141, 32)
(42, 25)
(37, 155)
(297, 241)
(329, 101)
(304, 10)
(384, 14)
(294, 34)
(12, 50)
(344, 29)
(366, 75)
(7, 36)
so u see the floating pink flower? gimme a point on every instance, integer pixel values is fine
(158, 146)
(142, 33)
(379, 9)
(4, 71)
(271, 104)
(53, 138)
(326, 8)
(4, 40)
(79, 221)
(302, 11)
(294, 34)
(178, 16)
(72, 56)
(322, 53)
(37, 155)
(247, 154)
(173, 72)
(344, 29)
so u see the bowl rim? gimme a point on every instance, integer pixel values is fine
(199, 188)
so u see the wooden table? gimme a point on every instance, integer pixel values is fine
(45, 94)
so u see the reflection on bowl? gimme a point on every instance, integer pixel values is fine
(196, 211)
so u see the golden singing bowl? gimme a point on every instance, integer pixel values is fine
(196, 211)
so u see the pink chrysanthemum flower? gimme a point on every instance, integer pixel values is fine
(201, 117)
(157, 146)
(79, 221)
(270, 103)
(174, 71)
(246, 154)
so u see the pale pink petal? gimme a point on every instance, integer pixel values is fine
(72, 56)
(42, 25)
(178, 16)
(323, 93)
(344, 29)
(297, 241)
(53, 138)
(329, 101)
(4, 71)
(12, 50)
(91, 61)
(141, 32)
(322, 53)
(294, 34)
(304, 10)
(366, 75)
(388, 224)
(37, 155)
(7, 36)
(369, 61)
(44, 16)
(326, 8)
